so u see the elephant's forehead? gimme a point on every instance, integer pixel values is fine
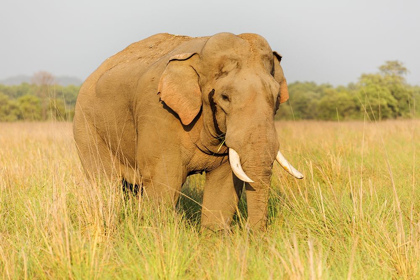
(225, 52)
(242, 47)
(257, 43)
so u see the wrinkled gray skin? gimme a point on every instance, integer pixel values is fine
(215, 93)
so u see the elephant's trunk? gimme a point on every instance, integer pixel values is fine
(256, 154)
(257, 201)
(257, 194)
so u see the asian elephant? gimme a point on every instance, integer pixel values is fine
(170, 106)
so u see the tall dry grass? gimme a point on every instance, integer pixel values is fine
(356, 215)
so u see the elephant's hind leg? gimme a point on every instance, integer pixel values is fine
(96, 157)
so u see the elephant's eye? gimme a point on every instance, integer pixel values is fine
(225, 97)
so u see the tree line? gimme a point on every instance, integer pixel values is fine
(375, 96)
(40, 100)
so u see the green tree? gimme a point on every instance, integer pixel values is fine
(303, 101)
(29, 108)
(415, 104)
(393, 68)
(393, 73)
(377, 99)
(338, 105)
(387, 94)
(8, 109)
(57, 110)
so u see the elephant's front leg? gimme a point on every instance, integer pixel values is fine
(222, 191)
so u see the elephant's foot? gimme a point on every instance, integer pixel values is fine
(131, 189)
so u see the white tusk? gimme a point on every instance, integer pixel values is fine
(287, 166)
(235, 163)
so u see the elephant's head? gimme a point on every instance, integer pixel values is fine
(238, 83)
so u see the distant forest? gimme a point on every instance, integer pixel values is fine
(42, 99)
(375, 96)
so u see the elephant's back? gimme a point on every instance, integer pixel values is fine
(146, 51)
(143, 53)
(117, 76)
(106, 97)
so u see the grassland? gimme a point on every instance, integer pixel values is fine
(356, 215)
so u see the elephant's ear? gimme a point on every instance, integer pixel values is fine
(279, 76)
(179, 88)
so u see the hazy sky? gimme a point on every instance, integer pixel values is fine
(330, 41)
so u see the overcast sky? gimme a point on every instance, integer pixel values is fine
(326, 41)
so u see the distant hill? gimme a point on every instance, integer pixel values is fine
(61, 80)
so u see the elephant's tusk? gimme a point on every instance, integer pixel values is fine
(287, 166)
(235, 163)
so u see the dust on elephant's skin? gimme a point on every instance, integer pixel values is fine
(170, 106)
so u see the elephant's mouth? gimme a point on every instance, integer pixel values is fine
(235, 164)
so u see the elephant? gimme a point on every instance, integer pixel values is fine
(170, 106)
